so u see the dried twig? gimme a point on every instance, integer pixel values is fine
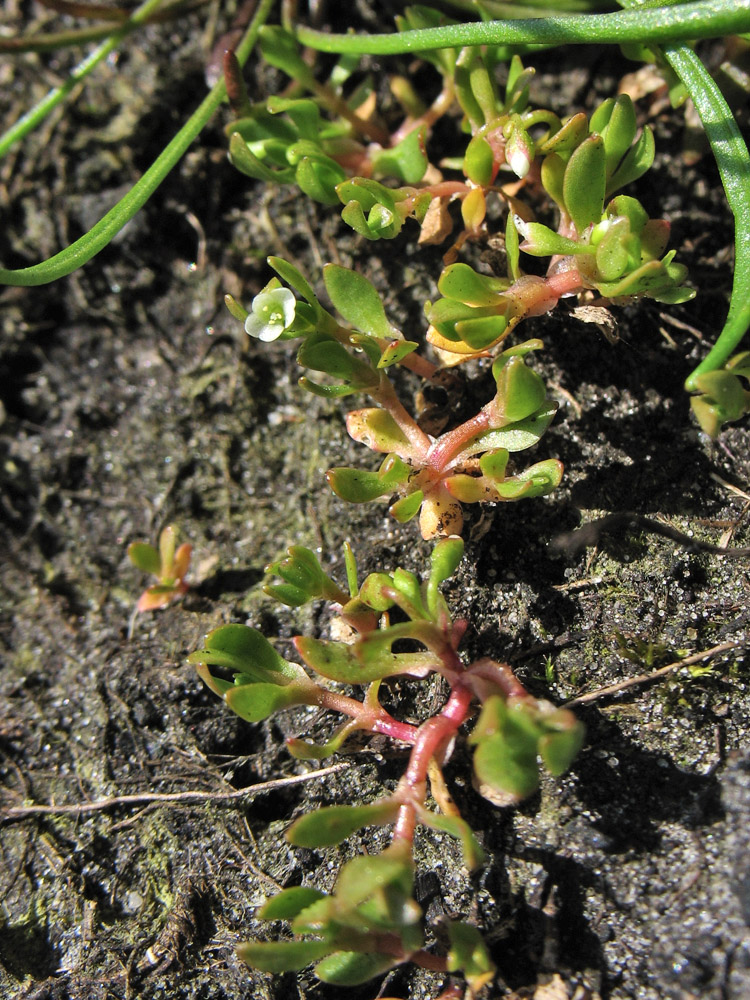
(604, 692)
(16, 813)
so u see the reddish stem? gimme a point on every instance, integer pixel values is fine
(380, 722)
(445, 449)
(431, 738)
(386, 396)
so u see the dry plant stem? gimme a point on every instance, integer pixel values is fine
(14, 814)
(605, 692)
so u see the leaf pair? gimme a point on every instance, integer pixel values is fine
(263, 682)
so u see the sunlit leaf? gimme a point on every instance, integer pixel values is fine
(282, 956)
(357, 300)
(289, 902)
(332, 824)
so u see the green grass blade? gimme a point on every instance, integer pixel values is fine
(57, 95)
(83, 249)
(704, 19)
(733, 160)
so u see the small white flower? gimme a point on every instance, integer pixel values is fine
(272, 314)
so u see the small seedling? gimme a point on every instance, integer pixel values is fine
(169, 564)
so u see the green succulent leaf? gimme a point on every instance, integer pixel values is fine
(289, 902)
(145, 557)
(508, 767)
(256, 702)
(280, 49)
(541, 478)
(366, 875)
(570, 135)
(512, 249)
(618, 132)
(282, 956)
(494, 463)
(350, 968)
(376, 428)
(249, 164)
(553, 176)
(324, 354)
(463, 284)
(541, 241)
(636, 162)
(520, 391)
(357, 485)
(332, 824)
(244, 650)
(357, 300)
(377, 591)
(723, 399)
(289, 273)
(473, 853)
(407, 160)
(304, 112)
(407, 507)
(469, 955)
(480, 332)
(516, 436)
(479, 161)
(396, 352)
(584, 183)
(340, 662)
(317, 177)
(559, 749)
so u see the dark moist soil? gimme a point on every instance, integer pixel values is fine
(131, 400)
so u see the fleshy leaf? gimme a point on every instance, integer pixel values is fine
(516, 436)
(293, 277)
(282, 956)
(584, 183)
(407, 160)
(145, 557)
(357, 485)
(377, 429)
(396, 351)
(332, 824)
(469, 955)
(520, 391)
(246, 651)
(464, 284)
(255, 702)
(407, 507)
(356, 300)
(350, 968)
(473, 853)
(289, 902)
(370, 659)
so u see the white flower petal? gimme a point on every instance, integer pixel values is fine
(271, 331)
(254, 325)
